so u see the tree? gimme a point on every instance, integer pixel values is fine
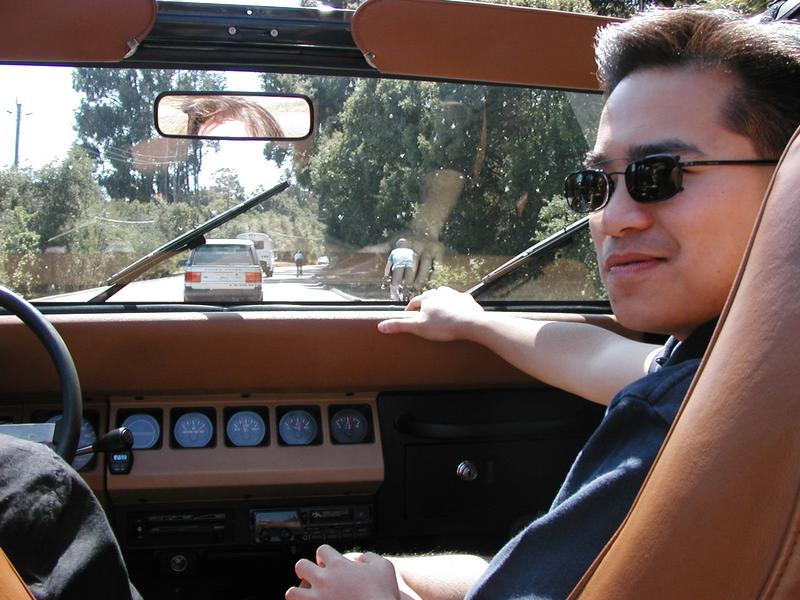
(115, 123)
(507, 143)
(61, 192)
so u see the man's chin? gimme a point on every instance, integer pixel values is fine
(637, 316)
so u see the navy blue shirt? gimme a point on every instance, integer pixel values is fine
(549, 556)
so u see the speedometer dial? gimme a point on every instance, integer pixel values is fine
(298, 428)
(246, 428)
(193, 430)
(88, 436)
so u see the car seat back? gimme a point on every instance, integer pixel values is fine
(11, 585)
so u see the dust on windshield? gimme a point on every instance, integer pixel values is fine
(462, 176)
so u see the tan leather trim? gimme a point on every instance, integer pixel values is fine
(719, 514)
(12, 587)
(247, 352)
(479, 42)
(56, 31)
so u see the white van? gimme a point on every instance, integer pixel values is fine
(264, 249)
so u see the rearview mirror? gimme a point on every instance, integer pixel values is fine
(234, 116)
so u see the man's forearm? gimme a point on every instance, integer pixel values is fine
(442, 577)
(577, 357)
(589, 361)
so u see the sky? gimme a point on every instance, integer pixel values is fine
(48, 102)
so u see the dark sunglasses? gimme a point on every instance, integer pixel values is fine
(651, 179)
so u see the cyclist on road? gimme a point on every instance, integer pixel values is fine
(402, 265)
(299, 259)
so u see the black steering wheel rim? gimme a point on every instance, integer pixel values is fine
(68, 428)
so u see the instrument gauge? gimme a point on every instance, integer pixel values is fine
(88, 436)
(348, 426)
(193, 430)
(246, 428)
(298, 428)
(145, 429)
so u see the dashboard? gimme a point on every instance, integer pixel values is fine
(244, 460)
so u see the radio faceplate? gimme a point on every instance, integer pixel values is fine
(311, 524)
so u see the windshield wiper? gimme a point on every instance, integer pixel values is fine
(185, 241)
(557, 240)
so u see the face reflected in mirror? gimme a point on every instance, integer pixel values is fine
(234, 116)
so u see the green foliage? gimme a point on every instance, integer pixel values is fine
(555, 216)
(368, 174)
(456, 276)
(291, 219)
(511, 144)
(60, 192)
(36, 206)
(19, 250)
(749, 7)
(115, 121)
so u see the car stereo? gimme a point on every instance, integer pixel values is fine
(311, 524)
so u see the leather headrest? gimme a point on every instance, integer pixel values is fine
(719, 514)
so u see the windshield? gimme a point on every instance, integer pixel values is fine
(461, 177)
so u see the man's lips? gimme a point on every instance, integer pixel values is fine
(620, 264)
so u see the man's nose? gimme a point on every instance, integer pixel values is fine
(621, 214)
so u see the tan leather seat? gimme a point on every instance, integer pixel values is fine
(719, 515)
(11, 585)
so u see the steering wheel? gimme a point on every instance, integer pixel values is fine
(67, 431)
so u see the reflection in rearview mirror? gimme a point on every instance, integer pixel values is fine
(237, 116)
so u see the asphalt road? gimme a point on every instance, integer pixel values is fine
(283, 286)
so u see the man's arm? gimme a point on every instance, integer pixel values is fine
(367, 576)
(580, 358)
(440, 577)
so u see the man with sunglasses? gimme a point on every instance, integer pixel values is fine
(699, 106)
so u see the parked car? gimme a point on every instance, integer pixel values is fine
(223, 271)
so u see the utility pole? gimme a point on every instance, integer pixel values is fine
(16, 137)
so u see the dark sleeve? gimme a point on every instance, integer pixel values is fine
(53, 529)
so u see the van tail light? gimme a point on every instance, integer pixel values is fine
(252, 277)
(192, 277)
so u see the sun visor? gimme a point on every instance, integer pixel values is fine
(56, 31)
(479, 42)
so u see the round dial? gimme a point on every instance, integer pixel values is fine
(246, 428)
(348, 426)
(145, 429)
(193, 430)
(297, 428)
(88, 436)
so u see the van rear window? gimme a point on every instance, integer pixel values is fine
(222, 255)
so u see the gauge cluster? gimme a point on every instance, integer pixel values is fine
(248, 426)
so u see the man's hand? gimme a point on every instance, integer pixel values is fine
(441, 315)
(335, 577)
